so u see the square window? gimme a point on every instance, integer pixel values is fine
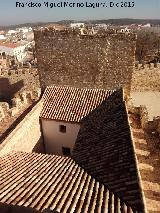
(62, 128)
(66, 151)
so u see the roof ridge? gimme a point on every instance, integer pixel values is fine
(80, 88)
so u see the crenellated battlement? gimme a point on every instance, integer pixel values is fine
(69, 32)
(14, 81)
(147, 123)
(14, 73)
(20, 101)
(147, 66)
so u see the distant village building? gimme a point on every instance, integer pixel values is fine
(2, 37)
(146, 25)
(10, 49)
(99, 26)
(10, 32)
(77, 25)
(24, 29)
(2, 32)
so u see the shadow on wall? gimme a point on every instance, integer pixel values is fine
(16, 122)
(39, 147)
(7, 90)
(6, 208)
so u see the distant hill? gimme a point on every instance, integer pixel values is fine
(123, 21)
(126, 21)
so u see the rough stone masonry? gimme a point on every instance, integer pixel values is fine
(102, 60)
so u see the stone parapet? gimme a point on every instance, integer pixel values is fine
(26, 135)
(147, 124)
(23, 99)
(147, 66)
(14, 81)
(14, 73)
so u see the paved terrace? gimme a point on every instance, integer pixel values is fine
(150, 99)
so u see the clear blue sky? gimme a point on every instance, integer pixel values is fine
(9, 14)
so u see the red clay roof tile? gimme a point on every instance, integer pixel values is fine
(47, 181)
(71, 104)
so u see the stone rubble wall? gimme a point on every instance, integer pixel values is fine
(26, 136)
(18, 103)
(95, 61)
(146, 124)
(146, 78)
(149, 125)
(18, 80)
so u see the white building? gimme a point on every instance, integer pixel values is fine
(147, 25)
(18, 51)
(24, 29)
(2, 37)
(104, 26)
(77, 25)
(63, 109)
(10, 32)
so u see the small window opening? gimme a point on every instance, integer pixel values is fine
(66, 151)
(62, 128)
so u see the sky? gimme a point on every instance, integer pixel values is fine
(10, 14)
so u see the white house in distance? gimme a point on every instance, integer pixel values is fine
(77, 25)
(10, 32)
(2, 37)
(63, 109)
(16, 50)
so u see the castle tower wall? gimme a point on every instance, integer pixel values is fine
(94, 61)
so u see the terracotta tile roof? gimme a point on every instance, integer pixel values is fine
(47, 181)
(71, 104)
(9, 45)
(7, 208)
(104, 148)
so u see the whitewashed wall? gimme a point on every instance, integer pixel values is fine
(54, 140)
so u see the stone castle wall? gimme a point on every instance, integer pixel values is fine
(98, 61)
(18, 103)
(147, 124)
(26, 136)
(13, 81)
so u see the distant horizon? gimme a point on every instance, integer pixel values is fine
(87, 20)
(12, 12)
